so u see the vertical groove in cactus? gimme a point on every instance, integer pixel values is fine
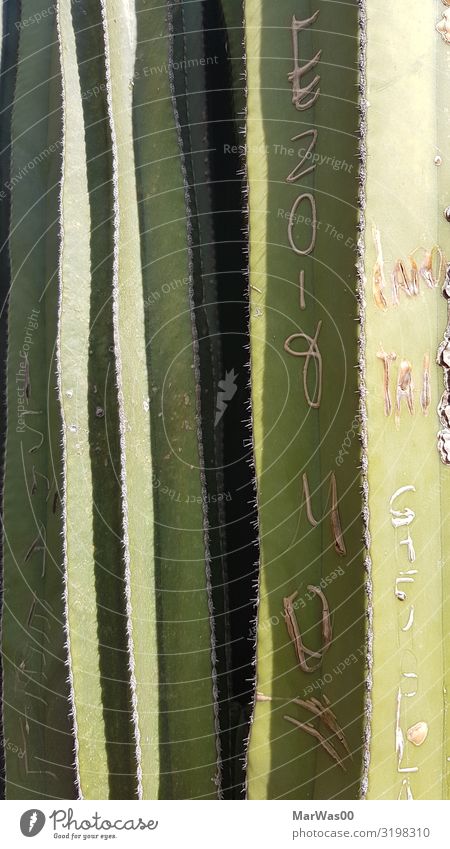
(233, 14)
(207, 123)
(406, 240)
(39, 763)
(231, 391)
(190, 91)
(307, 484)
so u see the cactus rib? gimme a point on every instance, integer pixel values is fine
(303, 305)
(39, 763)
(136, 468)
(406, 237)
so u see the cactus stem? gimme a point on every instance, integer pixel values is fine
(120, 397)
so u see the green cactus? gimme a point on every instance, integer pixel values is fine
(105, 458)
(130, 458)
(305, 226)
(36, 697)
(8, 56)
(189, 741)
(406, 194)
(207, 337)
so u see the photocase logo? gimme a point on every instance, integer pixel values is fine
(227, 391)
(32, 822)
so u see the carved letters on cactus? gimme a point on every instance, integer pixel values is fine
(443, 359)
(302, 307)
(303, 99)
(404, 518)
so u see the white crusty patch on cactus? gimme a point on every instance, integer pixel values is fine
(443, 27)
